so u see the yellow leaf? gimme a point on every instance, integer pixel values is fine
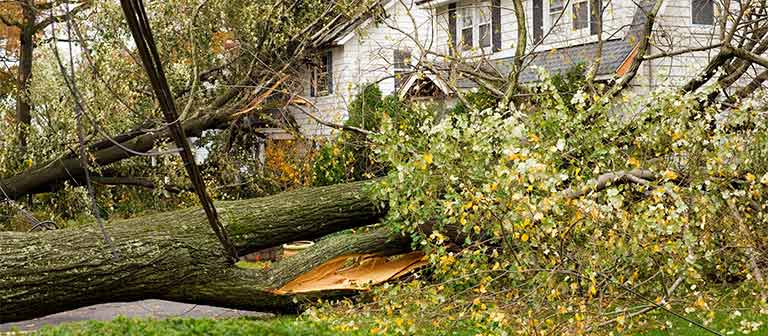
(428, 158)
(750, 178)
(670, 175)
(633, 162)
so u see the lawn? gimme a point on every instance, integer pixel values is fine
(724, 324)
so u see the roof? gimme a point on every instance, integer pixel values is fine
(560, 60)
(342, 27)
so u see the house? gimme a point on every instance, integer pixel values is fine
(368, 49)
(563, 33)
(560, 34)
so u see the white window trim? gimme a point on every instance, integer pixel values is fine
(715, 11)
(474, 8)
(549, 22)
(573, 17)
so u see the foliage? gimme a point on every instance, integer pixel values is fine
(215, 41)
(486, 195)
(480, 99)
(570, 82)
(348, 157)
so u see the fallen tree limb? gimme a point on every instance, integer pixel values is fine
(49, 176)
(638, 176)
(173, 256)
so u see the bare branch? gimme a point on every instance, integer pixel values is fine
(637, 176)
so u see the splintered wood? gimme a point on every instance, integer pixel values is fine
(357, 272)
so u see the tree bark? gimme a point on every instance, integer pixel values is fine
(26, 49)
(174, 256)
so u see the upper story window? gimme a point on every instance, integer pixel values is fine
(584, 14)
(556, 8)
(475, 23)
(322, 76)
(703, 12)
(580, 14)
(467, 27)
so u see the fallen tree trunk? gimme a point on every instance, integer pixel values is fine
(173, 255)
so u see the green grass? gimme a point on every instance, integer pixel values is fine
(724, 323)
(234, 327)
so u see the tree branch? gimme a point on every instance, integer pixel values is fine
(642, 47)
(636, 176)
(59, 18)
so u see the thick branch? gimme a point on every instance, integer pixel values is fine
(638, 176)
(59, 18)
(46, 177)
(642, 49)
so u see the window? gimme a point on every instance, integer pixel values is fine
(467, 27)
(580, 15)
(322, 76)
(402, 65)
(703, 12)
(475, 23)
(555, 11)
(484, 26)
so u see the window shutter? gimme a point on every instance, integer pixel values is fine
(496, 24)
(538, 20)
(596, 16)
(329, 69)
(452, 25)
(312, 81)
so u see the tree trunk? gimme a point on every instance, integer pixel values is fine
(174, 256)
(26, 48)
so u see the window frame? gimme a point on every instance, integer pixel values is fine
(323, 70)
(462, 27)
(474, 9)
(588, 19)
(552, 14)
(714, 15)
(480, 23)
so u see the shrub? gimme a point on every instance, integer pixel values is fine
(349, 156)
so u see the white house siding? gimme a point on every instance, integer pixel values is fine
(367, 57)
(330, 107)
(675, 31)
(617, 16)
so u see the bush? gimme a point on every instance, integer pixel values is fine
(349, 156)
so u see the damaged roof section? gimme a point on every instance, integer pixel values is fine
(342, 26)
